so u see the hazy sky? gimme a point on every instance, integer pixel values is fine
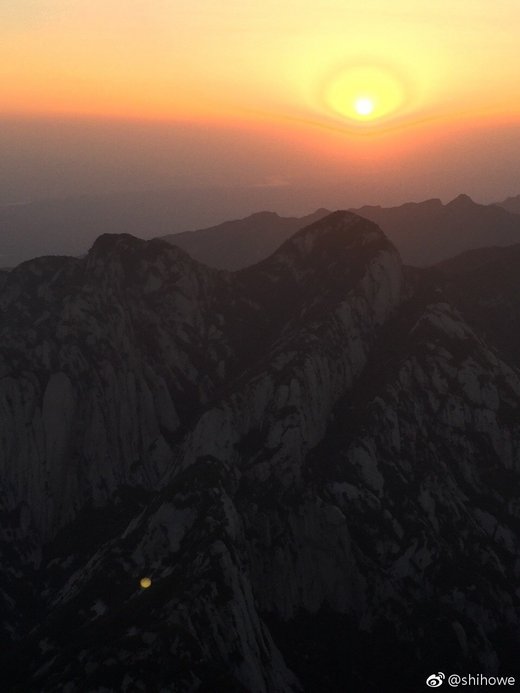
(392, 100)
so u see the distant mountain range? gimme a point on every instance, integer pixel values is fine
(424, 232)
(428, 232)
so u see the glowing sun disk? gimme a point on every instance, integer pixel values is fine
(364, 93)
(364, 106)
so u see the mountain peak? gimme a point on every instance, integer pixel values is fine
(320, 212)
(349, 224)
(333, 241)
(263, 215)
(107, 243)
(461, 200)
(124, 244)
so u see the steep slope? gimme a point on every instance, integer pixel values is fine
(3, 276)
(428, 232)
(484, 285)
(422, 459)
(335, 502)
(242, 242)
(106, 399)
(103, 359)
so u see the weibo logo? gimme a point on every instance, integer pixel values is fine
(435, 680)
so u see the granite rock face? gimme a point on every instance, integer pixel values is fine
(316, 460)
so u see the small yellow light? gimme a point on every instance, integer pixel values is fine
(145, 582)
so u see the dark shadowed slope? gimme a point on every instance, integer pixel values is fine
(242, 242)
(485, 285)
(315, 459)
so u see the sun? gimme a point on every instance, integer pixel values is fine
(364, 105)
(364, 94)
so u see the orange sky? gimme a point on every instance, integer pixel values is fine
(293, 70)
(289, 58)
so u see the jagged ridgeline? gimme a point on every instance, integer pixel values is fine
(300, 476)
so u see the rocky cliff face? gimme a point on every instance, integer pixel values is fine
(316, 460)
